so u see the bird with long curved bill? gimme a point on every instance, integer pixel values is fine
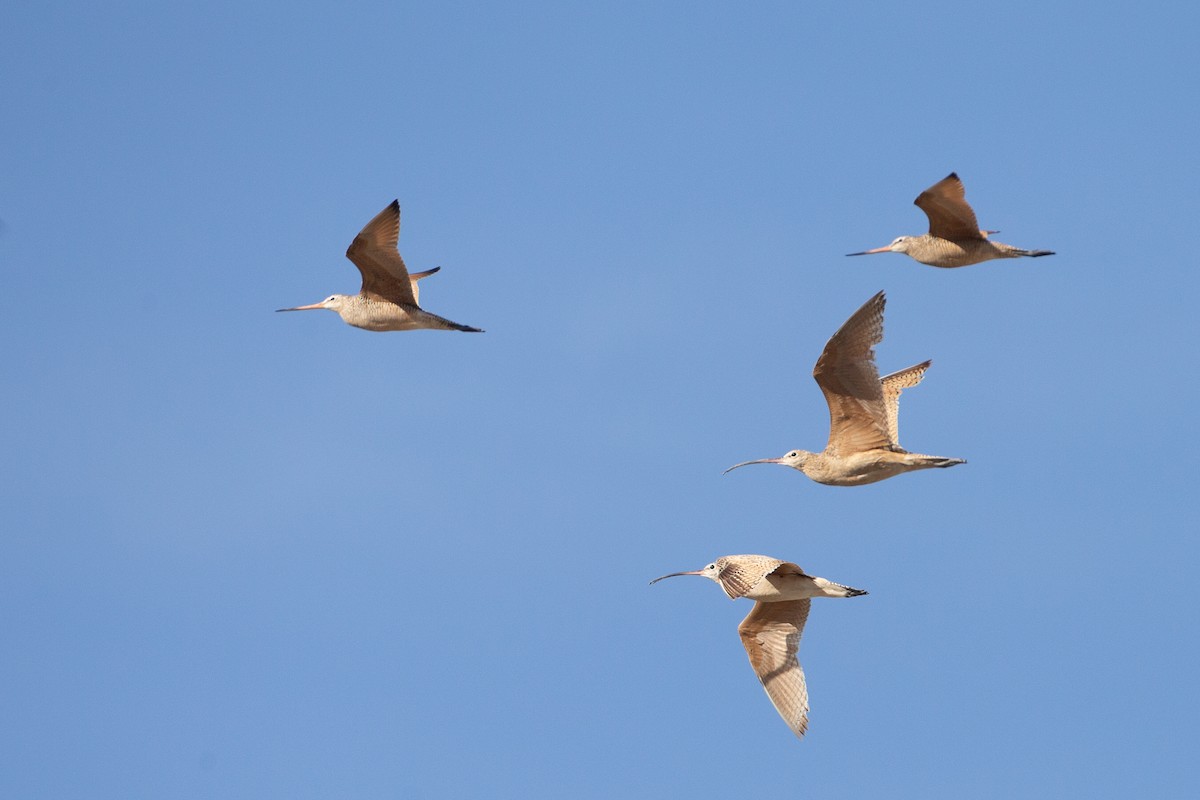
(771, 631)
(864, 410)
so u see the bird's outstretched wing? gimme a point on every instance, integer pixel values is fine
(740, 574)
(416, 276)
(847, 375)
(949, 215)
(375, 254)
(892, 386)
(771, 636)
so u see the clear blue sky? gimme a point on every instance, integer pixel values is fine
(249, 554)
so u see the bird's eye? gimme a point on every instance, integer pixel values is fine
(711, 566)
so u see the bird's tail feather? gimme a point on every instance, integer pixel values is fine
(831, 589)
(445, 324)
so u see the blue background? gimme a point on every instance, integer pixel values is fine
(259, 555)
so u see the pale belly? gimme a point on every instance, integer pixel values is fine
(948, 254)
(384, 317)
(783, 587)
(864, 468)
(386, 325)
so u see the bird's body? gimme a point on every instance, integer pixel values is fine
(771, 631)
(947, 253)
(864, 439)
(858, 469)
(954, 238)
(388, 299)
(376, 314)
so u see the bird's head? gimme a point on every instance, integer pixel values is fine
(795, 459)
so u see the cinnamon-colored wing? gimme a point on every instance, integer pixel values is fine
(740, 574)
(892, 386)
(771, 636)
(375, 254)
(416, 276)
(847, 375)
(949, 215)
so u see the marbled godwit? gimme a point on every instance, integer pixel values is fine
(771, 631)
(954, 238)
(863, 410)
(388, 299)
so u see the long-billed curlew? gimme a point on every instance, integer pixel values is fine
(388, 299)
(863, 410)
(771, 631)
(954, 238)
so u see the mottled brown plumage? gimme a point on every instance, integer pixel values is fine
(954, 238)
(771, 631)
(892, 385)
(863, 444)
(388, 298)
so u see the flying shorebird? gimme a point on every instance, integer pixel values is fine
(864, 442)
(771, 631)
(388, 300)
(954, 238)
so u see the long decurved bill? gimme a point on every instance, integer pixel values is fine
(676, 575)
(301, 308)
(869, 252)
(760, 460)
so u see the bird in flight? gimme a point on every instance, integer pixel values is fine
(954, 238)
(771, 631)
(864, 409)
(388, 299)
